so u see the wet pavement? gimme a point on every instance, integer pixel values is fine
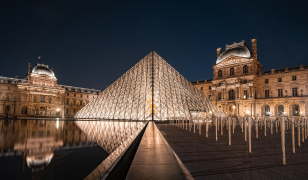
(207, 159)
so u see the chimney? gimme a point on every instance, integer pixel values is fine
(29, 69)
(254, 48)
(218, 52)
(16, 77)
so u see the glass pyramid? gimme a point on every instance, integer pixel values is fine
(150, 90)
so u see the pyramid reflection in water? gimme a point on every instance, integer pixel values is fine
(150, 90)
(110, 134)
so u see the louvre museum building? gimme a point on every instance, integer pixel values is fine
(40, 95)
(240, 87)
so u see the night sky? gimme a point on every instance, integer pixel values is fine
(92, 43)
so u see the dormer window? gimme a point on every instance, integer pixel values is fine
(232, 72)
(220, 73)
(245, 69)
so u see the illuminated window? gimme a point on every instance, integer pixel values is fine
(293, 78)
(245, 94)
(280, 93)
(295, 110)
(245, 69)
(267, 110)
(220, 73)
(232, 72)
(280, 110)
(266, 93)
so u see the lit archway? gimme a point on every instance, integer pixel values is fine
(42, 111)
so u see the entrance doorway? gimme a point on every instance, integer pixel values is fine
(42, 111)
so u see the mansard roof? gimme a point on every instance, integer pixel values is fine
(237, 49)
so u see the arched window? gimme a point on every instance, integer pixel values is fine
(267, 110)
(231, 94)
(220, 73)
(295, 110)
(280, 110)
(245, 69)
(231, 71)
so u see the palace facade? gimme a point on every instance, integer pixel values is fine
(39, 94)
(240, 87)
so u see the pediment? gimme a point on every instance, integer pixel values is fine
(233, 60)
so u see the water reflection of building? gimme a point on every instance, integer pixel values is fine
(36, 140)
(39, 94)
(240, 86)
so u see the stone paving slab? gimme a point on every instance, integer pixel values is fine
(155, 159)
(207, 159)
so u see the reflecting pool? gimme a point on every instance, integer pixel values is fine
(55, 149)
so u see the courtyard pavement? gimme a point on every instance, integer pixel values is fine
(207, 159)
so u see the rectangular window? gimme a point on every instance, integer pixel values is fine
(81, 95)
(245, 94)
(33, 133)
(280, 93)
(67, 101)
(80, 103)
(279, 79)
(25, 98)
(41, 133)
(49, 100)
(67, 94)
(266, 93)
(210, 87)
(42, 99)
(34, 99)
(294, 91)
(201, 88)
(219, 96)
(210, 96)
(293, 78)
(266, 81)
(58, 100)
(74, 95)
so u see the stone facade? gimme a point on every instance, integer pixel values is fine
(240, 87)
(39, 94)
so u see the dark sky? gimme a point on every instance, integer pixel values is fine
(92, 43)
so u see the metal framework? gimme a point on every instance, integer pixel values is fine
(150, 90)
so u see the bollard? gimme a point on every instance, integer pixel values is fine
(242, 124)
(194, 126)
(216, 128)
(229, 129)
(245, 130)
(233, 126)
(200, 127)
(257, 134)
(298, 133)
(303, 135)
(221, 126)
(265, 127)
(276, 121)
(292, 133)
(207, 127)
(283, 145)
(249, 133)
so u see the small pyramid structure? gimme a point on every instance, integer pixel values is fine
(151, 90)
